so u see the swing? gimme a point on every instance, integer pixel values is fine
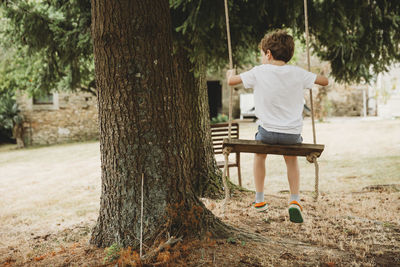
(310, 151)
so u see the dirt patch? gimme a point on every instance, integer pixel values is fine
(339, 230)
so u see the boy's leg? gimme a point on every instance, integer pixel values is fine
(259, 171)
(259, 177)
(293, 174)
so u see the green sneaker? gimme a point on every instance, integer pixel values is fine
(261, 206)
(295, 212)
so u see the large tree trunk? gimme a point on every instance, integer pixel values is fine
(206, 176)
(142, 117)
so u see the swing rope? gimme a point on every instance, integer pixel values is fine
(227, 151)
(228, 34)
(309, 67)
(312, 157)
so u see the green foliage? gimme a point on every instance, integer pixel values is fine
(359, 38)
(9, 76)
(51, 44)
(53, 39)
(220, 118)
(16, 73)
(8, 71)
(203, 24)
(112, 253)
(299, 49)
(9, 112)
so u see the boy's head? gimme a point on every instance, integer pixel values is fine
(279, 43)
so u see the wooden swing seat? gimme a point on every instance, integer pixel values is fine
(254, 146)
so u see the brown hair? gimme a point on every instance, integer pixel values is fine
(280, 43)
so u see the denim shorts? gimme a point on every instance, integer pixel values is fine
(273, 138)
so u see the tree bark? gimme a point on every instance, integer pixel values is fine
(143, 128)
(206, 176)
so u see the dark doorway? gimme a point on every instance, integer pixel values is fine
(6, 136)
(214, 97)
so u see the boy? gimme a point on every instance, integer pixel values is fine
(278, 97)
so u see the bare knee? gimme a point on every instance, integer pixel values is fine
(290, 159)
(260, 156)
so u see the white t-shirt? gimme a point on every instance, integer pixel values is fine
(279, 95)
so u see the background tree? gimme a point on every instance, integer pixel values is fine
(359, 38)
(53, 39)
(141, 128)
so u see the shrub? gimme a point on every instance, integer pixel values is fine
(220, 118)
(10, 118)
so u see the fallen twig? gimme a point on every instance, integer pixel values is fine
(170, 242)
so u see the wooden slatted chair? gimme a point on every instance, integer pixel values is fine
(219, 132)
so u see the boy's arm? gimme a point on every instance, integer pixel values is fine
(321, 80)
(233, 79)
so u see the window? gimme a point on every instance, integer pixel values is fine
(46, 99)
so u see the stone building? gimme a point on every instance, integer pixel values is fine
(68, 117)
(59, 118)
(345, 100)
